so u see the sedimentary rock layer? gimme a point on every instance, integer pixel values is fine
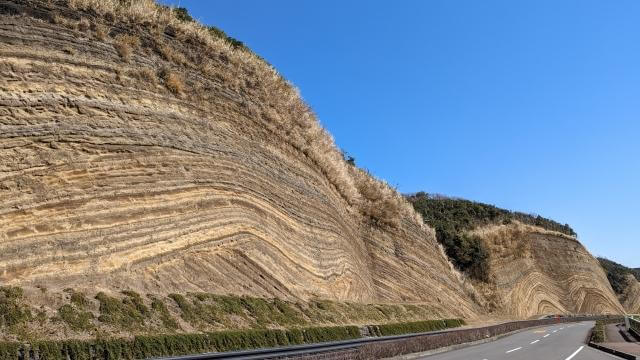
(134, 156)
(139, 152)
(630, 299)
(535, 271)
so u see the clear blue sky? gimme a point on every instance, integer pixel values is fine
(530, 105)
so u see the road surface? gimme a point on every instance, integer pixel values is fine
(557, 342)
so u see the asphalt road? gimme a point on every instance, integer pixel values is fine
(558, 342)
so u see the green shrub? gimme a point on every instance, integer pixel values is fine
(460, 214)
(182, 14)
(236, 44)
(77, 349)
(199, 311)
(451, 323)
(295, 336)
(49, 350)
(182, 302)
(333, 333)
(77, 320)
(203, 308)
(415, 327)
(179, 344)
(159, 307)
(188, 310)
(617, 274)
(134, 300)
(452, 218)
(229, 304)
(166, 345)
(247, 339)
(127, 313)
(9, 351)
(598, 333)
(265, 312)
(13, 311)
(77, 298)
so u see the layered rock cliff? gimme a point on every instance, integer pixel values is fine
(536, 271)
(624, 281)
(630, 298)
(140, 151)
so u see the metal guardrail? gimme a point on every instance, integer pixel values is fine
(634, 326)
(387, 346)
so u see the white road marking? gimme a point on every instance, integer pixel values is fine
(516, 349)
(555, 331)
(561, 328)
(546, 335)
(575, 353)
(534, 342)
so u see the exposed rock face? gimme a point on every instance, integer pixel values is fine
(630, 299)
(136, 152)
(535, 271)
(150, 159)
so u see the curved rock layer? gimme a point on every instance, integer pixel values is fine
(630, 299)
(535, 271)
(126, 170)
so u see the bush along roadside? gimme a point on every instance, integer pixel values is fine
(183, 344)
(598, 334)
(141, 347)
(413, 327)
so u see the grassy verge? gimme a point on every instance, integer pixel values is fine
(146, 346)
(598, 333)
(141, 347)
(75, 314)
(128, 325)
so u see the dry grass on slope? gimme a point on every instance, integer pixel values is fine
(508, 238)
(125, 45)
(512, 231)
(275, 101)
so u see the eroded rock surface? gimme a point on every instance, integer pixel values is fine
(630, 299)
(176, 166)
(137, 153)
(535, 271)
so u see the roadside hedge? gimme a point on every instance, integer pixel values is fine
(146, 346)
(141, 347)
(414, 327)
(598, 332)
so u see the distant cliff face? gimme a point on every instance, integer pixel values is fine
(534, 271)
(624, 282)
(138, 151)
(630, 298)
